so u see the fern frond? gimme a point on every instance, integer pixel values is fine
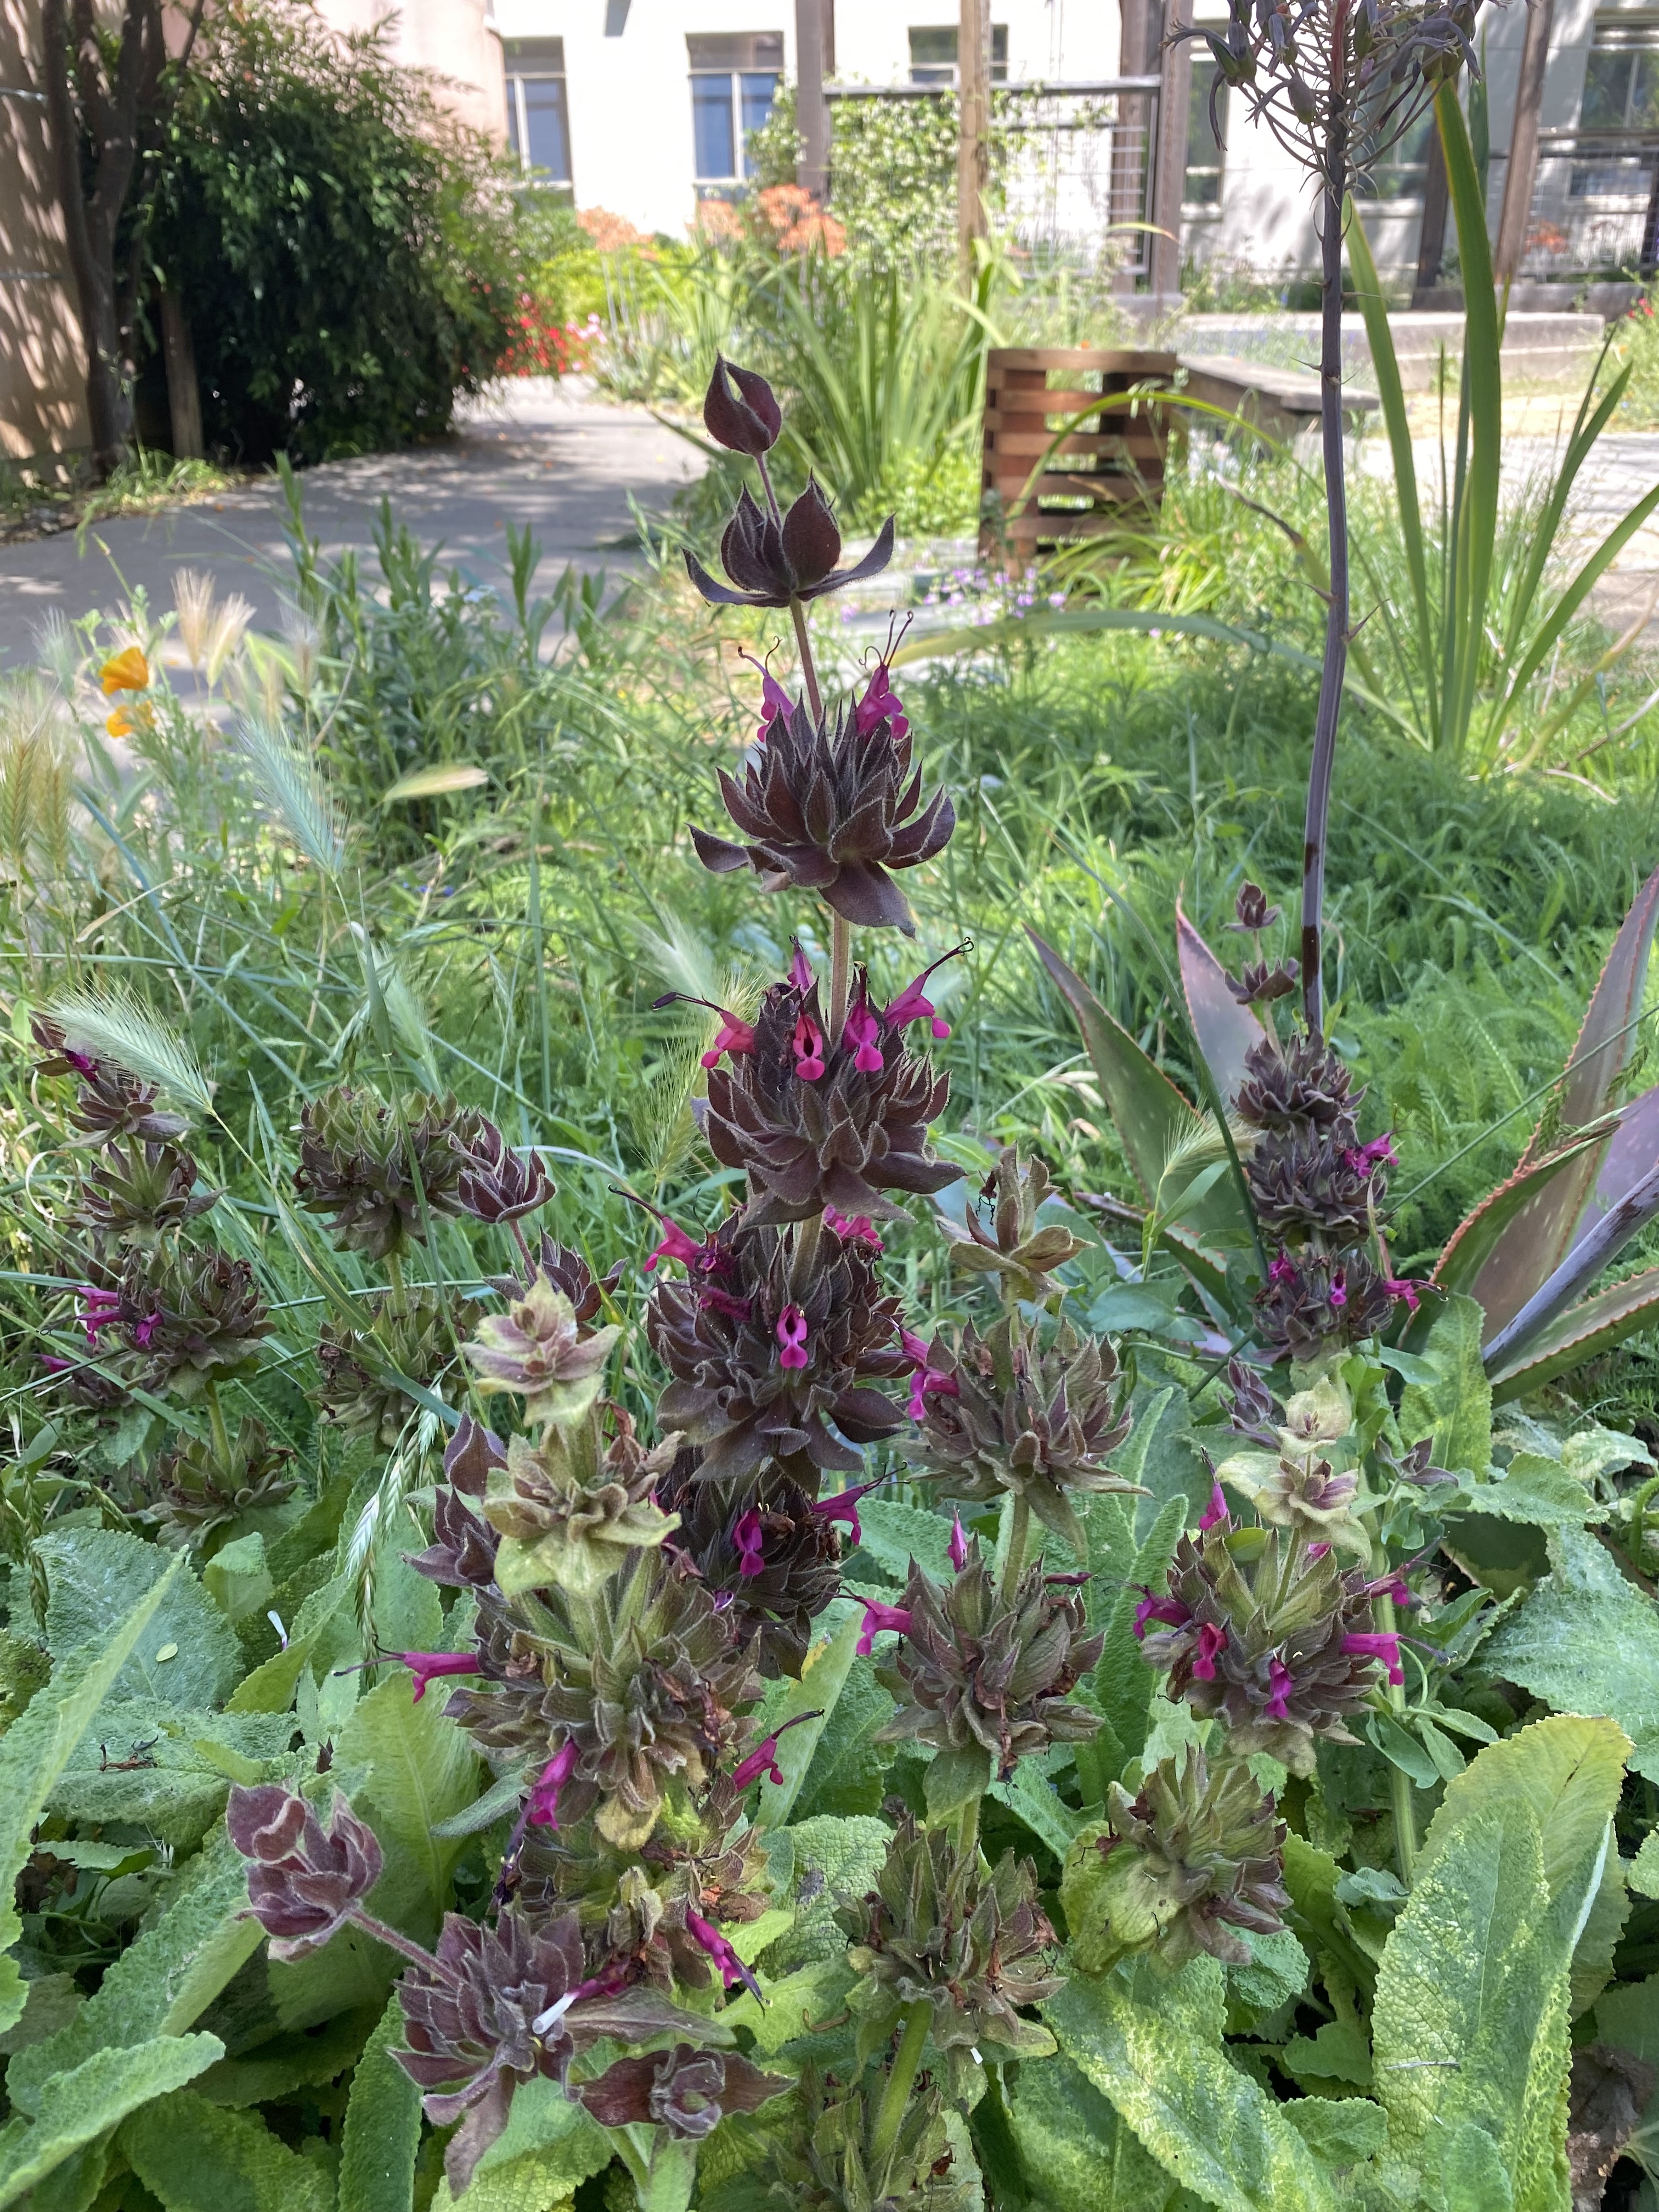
(113, 1025)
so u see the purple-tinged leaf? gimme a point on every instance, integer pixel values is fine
(1565, 1284)
(1224, 1029)
(1591, 1326)
(1478, 1260)
(1629, 1154)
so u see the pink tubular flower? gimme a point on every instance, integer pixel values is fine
(1168, 1612)
(97, 1310)
(1383, 1646)
(792, 1335)
(800, 968)
(732, 1035)
(880, 703)
(928, 1381)
(958, 1546)
(144, 1330)
(861, 1031)
(913, 1004)
(807, 1045)
(727, 1964)
(1365, 1160)
(1281, 1683)
(1391, 1586)
(1282, 1270)
(1402, 1287)
(543, 1811)
(1339, 1290)
(1212, 1641)
(774, 702)
(1215, 1512)
(763, 1760)
(749, 1537)
(878, 1617)
(852, 1229)
(427, 1666)
(844, 1506)
(724, 1302)
(1317, 1551)
(676, 1245)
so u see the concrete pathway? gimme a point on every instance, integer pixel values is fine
(534, 451)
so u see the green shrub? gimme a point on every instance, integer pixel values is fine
(345, 251)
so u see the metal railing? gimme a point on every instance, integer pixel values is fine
(1081, 164)
(1594, 205)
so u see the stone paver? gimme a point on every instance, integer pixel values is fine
(534, 451)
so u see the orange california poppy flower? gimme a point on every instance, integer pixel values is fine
(120, 724)
(127, 671)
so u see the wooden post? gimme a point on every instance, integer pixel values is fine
(1132, 162)
(1170, 180)
(974, 144)
(1431, 236)
(1521, 171)
(183, 392)
(811, 111)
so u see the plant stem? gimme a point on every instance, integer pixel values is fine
(405, 1946)
(840, 969)
(394, 1268)
(1019, 1525)
(1400, 1783)
(900, 2082)
(1336, 509)
(809, 673)
(968, 1833)
(216, 1419)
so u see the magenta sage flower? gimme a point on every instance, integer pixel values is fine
(876, 1618)
(1383, 1646)
(880, 703)
(792, 1333)
(732, 1035)
(1281, 1683)
(844, 1506)
(928, 1381)
(727, 1964)
(913, 1004)
(543, 1810)
(1212, 1642)
(97, 1310)
(852, 1229)
(862, 1031)
(424, 1666)
(958, 1546)
(1216, 1511)
(763, 1760)
(807, 1046)
(1168, 1612)
(749, 1538)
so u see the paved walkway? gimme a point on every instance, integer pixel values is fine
(538, 452)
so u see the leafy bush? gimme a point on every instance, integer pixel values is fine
(345, 251)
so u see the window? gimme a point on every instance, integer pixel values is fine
(734, 80)
(1621, 94)
(537, 119)
(1203, 156)
(1400, 171)
(933, 54)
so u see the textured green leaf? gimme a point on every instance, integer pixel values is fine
(1122, 1682)
(1078, 2155)
(849, 1767)
(382, 2125)
(323, 1633)
(823, 1679)
(163, 1981)
(1470, 2017)
(286, 2062)
(1031, 1794)
(1586, 1640)
(895, 1534)
(196, 2157)
(73, 2186)
(24, 1667)
(813, 1993)
(77, 2107)
(37, 1747)
(406, 1767)
(547, 2125)
(1151, 2043)
(1643, 1870)
(1535, 1490)
(1471, 2174)
(1342, 2131)
(95, 1576)
(1456, 1410)
(834, 1859)
(1565, 1770)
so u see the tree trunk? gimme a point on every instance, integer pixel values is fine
(812, 115)
(183, 392)
(1521, 173)
(973, 145)
(1170, 186)
(109, 412)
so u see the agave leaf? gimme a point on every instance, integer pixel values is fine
(1477, 1246)
(1149, 1113)
(1627, 1155)
(1530, 1254)
(1585, 1330)
(1225, 1031)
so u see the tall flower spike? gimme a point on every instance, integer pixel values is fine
(775, 1567)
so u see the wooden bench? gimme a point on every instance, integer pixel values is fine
(1091, 422)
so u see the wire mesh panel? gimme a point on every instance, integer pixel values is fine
(1594, 205)
(1077, 181)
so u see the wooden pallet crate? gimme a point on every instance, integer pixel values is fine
(1051, 489)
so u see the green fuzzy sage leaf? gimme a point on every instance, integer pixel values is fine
(823, 1679)
(1456, 1409)
(1122, 1683)
(954, 1776)
(1472, 2176)
(558, 2133)
(196, 2157)
(1078, 2155)
(408, 1768)
(172, 1770)
(37, 1747)
(834, 1859)
(162, 1982)
(77, 2107)
(1539, 1490)
(895, 1534)
(1586, 1640)
(1342, 2131)
(1150, 2041)
(848, 1770)
(95, 1576)
(382, 2125)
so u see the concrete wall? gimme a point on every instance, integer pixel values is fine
(456, 38)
